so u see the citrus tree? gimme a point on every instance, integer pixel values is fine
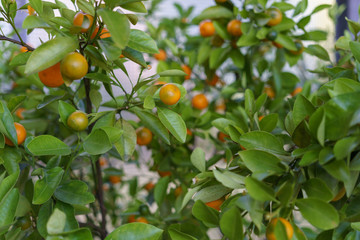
(290, 152)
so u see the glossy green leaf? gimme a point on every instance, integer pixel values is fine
(209, 216)
(262, 162)
(262, 141)
(231, 224)
(142, 42)
(317, 188)
(160, 190)
(135, 231)
(198, 159)
(74, 192)
(175, 234)
(173, 122)
(48, 145)
(45, 187)
(229, 179)
(212, 193)
(97, 142)
(126, 145)
(259, 190)
(8, 207)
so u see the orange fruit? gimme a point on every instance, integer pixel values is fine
(83, 20)
(221, 136)
(142, 220)
(277, 45)
(161, 56)
(160, 83)
(164, 173)
(31, 11)
(213, 81)
(260, 118)
(299, 47)
(216, 204)
(270, 235)
(103, 34)
(178, 191)
(188, 132)
(115, 179)
(149, 186)
(275, 16)
(74, 66)
(207, 28)
(200, 101)
(187, 70)
(102, 161)
(121, 56)
(143, 136)
(131, 219)
(21, 135)
(234, 28)
(77, 121)
(51, 77)
(296, 91)
(339, 195)
(270, 92)
(24, 49)
(170, 94)
(19, 112)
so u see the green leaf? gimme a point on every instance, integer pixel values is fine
(56, 222)
(259, 190)
(135, 231)
(43, 217)
(48, 145)
(137, 6)
(209, 216)
(262, 162)
(214, 12)
(115, 21)
(8, 183)
(198, 159)
(126, 145)
(172, 73)
(345, 146)
(317, 188)
(135, 56)
(8, 207)
(45, 187)
(231, 224)
(65, 110)
(175, 234)
(142, 42)
(269, 122)
(37, 5)
(74, 192)
(160, 190)
(262, 141)
(286, 41)
(97, 142)
(20, 59)
(173, 122)
(31, 22)
(302, 108)
(319, 213)
(50, 53)
(229, 179)
(212, 193)
(149, 102)
(71, 222)
(318, 51)
(153, 123)
(86, 7)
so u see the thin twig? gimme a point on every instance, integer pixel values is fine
(3, 38)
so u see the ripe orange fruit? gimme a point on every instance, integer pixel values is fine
(161, 56)
(277, 45)
(187, 70)
(221, 136)
(149, 186)
(188, 132)
(270, 235)
(164, 173)
(275, 16)
(178, 191)
(160, 83)
(299, 47)
(102, 161)
(143, 136)
(170, 94)
(84, 21)
(19, 112)
(77, 121)
(296, 91)
(31, 11)
(270, 92)
(24, 49)
(142, 220)
(216, 204)
(115, 179)
(74, 66)
(207, 28)
(103, 34)
(131, 219)
(234, 28)
(200, 101)
(51, 77)
(339, 195)
(260, 118)
(21, 135)
(213, 81)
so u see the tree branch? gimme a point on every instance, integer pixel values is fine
(3, 38)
